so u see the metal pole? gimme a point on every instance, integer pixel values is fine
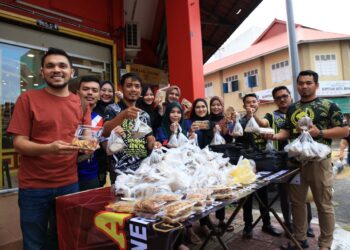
(293, 48)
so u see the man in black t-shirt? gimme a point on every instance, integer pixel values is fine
(122, 115)
(327, 124)
(251, 105)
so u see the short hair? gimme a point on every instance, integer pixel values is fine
(55, 51)
(89, 79)
(308, 73)
(275, 90)
(250, 95)
(132, 75)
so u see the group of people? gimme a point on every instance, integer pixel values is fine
(44, 122)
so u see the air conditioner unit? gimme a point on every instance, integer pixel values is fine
(241, 95)
(133, 35)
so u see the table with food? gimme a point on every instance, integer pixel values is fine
(148, 208)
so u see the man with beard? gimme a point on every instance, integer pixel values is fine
(43, 124)
(121, 117)
(327, 124)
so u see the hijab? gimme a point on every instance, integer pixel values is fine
(169, 90)
(166, 118)
(101, 105)
(220, 116)
(194, 116)
(140, 102)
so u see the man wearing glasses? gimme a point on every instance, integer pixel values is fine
(276, 120)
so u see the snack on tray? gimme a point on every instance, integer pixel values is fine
(166, 197)
(224, 196)
(200, 200)
(85, 144)
(178, 211)
(201, 124)
(149, 206)
(121, 207)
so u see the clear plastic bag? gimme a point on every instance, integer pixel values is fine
(252, 126)
(217, 139)
(305, 149)
(140, 129)
(177, 139)
(156, 155)
(305, 122)
(237, 129)
(115, 143)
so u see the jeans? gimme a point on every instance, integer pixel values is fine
(38, 216)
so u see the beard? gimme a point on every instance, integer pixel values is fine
(54, 86)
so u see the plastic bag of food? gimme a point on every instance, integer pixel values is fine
(140, 129)
(252, 126)
(115, 143)
(177, 139)
(237, 129)
(305, 122)
(156, 155)
(217, 139)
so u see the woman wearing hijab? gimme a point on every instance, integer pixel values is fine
(172, 121)
(199, 123)
(147, 103)
(106, 98)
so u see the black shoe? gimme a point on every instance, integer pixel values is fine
(290, 246)
(269, 229)
(247, 233)
(310, 232)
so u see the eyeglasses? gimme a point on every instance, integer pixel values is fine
(279, 98)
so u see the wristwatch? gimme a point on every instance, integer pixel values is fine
(320, 135)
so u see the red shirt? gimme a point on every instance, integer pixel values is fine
(45, 118)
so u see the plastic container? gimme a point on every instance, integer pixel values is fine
(87, 137)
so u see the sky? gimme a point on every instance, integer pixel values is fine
(326, 15)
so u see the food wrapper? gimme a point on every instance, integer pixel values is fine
(201, 124)
(166, 197)
(186, 103)
(121, 207)
(178, 211)
(149, 206)
(237, 129)
(87, 137)
(305, 122)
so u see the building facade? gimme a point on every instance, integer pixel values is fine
(265, 65)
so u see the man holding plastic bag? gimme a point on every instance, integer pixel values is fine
(253, 138)
(326, 124)
(131, 135)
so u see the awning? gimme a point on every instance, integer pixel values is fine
(343, 103)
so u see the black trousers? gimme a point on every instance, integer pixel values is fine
(248, 208)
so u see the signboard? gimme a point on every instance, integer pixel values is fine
(326, 89)
(149, 75)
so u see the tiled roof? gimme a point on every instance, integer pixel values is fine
(274, 38)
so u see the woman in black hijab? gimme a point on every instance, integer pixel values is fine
(106, 97)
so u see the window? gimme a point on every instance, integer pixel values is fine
(19, 72)
(326, 65)
(234, 86)
(225, 87)
(208, 90)
(231, 79)
(251, 78)
(280, 72)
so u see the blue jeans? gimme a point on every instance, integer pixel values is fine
(38, 216)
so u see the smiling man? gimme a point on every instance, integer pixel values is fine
(123, 115)
(43, 124)
(327, 124)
